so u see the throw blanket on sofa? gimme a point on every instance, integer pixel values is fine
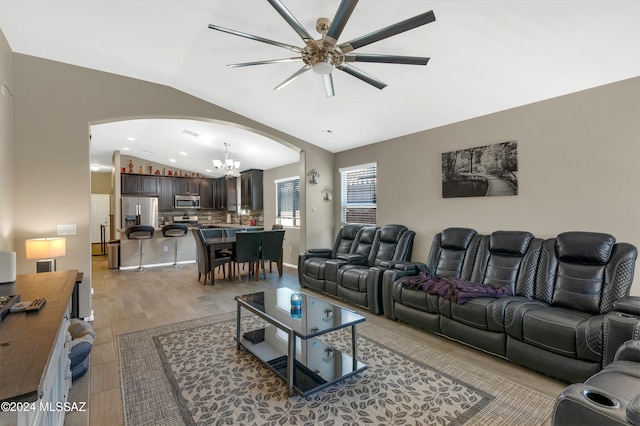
(454, 289)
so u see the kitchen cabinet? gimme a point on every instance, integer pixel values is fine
(186, 186)
(251, 190)
(165, 193)
(225, 194)
(206, 194)
(139, 185)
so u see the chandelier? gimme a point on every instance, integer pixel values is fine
(228, 166)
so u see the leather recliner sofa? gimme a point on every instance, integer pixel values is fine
(563, 289)
(356, 276)
(608, 398)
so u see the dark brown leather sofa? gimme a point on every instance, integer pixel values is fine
(355, 274)
(563, 289)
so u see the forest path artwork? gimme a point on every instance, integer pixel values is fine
(490, 170)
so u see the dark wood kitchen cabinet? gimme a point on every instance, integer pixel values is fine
(139, 185)
(251, 190)
(206, 194)
(225, 194)
(186, 186)
(165, 193)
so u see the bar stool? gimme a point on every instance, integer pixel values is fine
(175, 231)
(140, 233)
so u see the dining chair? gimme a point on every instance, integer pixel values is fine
(277, 226)
(203, 256)
(248, 251)
(272, 242)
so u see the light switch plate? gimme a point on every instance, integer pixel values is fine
(67, 229)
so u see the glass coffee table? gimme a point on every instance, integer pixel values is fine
(316, 364)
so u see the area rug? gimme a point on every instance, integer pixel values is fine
(191, 373)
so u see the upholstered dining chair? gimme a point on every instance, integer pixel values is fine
(272, 242)
(277, 226)
(248, 250)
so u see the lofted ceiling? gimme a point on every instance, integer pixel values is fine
(486, 56)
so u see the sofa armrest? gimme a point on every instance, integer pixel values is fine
(628, 351)
(353, 258)
(618, 327)
(320, 252)
(409, 266)
(628, 305)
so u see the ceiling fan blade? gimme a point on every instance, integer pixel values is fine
(292, 77)
(256, 38)
(386, 59)
(339, 21)
(291, 20)
(269, 61)
(362, 76)
(389, 31)
(327, 80)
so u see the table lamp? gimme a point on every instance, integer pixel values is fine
(46, 250)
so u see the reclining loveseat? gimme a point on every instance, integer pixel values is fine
(561, 290)
(355, 275)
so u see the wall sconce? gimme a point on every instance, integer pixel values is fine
(327, 193)
(314, 175)
(46, 250)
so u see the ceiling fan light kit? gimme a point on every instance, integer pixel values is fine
(324, 55)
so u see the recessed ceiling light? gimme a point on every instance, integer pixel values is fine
(94, 168)
(172, 160)
(183, 153)
(208, 171)
(131, 138)
(126, 148)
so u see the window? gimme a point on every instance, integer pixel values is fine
(359, 193)
(288, 201)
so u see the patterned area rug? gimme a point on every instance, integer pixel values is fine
(190, 373)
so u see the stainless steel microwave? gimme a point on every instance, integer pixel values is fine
(187, 202)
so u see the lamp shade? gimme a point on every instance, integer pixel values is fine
(45, 248)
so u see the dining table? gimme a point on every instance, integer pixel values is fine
(220, 243)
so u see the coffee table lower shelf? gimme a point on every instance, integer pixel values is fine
(323, 364)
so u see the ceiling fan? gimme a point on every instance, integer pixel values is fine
(324, 55)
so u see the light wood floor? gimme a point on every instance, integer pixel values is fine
(126, 301)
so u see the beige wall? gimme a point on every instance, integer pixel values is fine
(578, 161)
(100, 183)
(6, 146)
(54, 107)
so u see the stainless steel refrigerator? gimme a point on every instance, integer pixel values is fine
(139, 211)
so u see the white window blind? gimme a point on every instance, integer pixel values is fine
(358, 200)
(288, 201)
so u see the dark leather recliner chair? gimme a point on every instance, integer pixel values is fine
(362, 284)
(580, 275)
(608, 398)
(452, 254)
(311, 265)
(503, 258)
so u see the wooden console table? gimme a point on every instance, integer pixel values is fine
(33, 354)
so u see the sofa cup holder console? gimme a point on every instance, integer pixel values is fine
(600, 398)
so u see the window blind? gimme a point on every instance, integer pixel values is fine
(358, 194)
(288, 201)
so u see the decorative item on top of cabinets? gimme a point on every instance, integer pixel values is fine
(130, 166)
(314, 175)
(327, 193)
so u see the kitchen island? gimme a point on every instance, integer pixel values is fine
(158, 251)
